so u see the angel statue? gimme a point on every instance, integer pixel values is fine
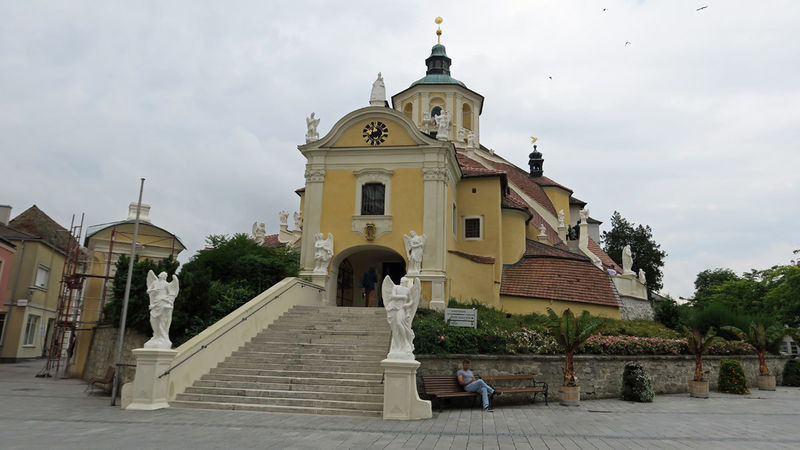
(414, 249)
(561, 219)
(311, 124)
(642, 278)
(627, 260)
(323, 252)
(284, 216)
(162, 297)
(259, 231)
(443, 125)
(401, 305)
(377, 97)
(584, 215)
(298, 220)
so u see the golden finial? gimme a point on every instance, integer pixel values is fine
(439, 30)
(534, 139)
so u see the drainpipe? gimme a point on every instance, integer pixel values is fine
(13, 292)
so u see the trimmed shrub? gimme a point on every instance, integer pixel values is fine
(731, 377)
(641, 328)
(636, 384)
(791, 373)
(631, 345)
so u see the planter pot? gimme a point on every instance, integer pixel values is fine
(569, 395)
(698, 389)
(766, 382)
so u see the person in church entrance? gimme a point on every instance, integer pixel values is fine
(368, 282)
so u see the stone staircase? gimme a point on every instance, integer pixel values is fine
(316, 360)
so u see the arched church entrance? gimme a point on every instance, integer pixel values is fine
(351, 265)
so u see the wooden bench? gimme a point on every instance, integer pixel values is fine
(441, 387)
(105, 382)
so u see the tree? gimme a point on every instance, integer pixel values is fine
(224, 276)
(571, 332)
(647, 254)
(138, 317)
(707, 280)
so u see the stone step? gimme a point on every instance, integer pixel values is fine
(271, 355)
(299, 374)
(319, 346)
(331, 328)
(375, 388)
(328, 361)
(307, 368)
(331, 383)
(275, 401)
(323, 333)
(293, 394)
(343, 310)
(274, 408)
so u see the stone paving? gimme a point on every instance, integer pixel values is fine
(54, 413)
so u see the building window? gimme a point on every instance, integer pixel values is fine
(42, 277)
(455, 221)
(466, 116)
(408, 110)
(473, 228)
(372, 199)
(435, 111)
(30, 329)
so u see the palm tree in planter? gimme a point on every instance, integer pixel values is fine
(698, 344)
(571, 332)
(762, 337)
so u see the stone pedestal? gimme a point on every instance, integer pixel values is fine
(149, 391)
(400, 398)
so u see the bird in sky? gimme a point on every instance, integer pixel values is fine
(550, 77)
(701, 8)
(627, 43)
(605, 9)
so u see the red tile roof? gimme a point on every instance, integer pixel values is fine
(474, 258)
(271, 240)
(554, 278)
(604, 258)
(537, 249)
(544, 181)
(35, 222)
(300, 190)
(523, 181)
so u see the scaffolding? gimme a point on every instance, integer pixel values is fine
(69, 302)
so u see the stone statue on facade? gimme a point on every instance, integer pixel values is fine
(542, 230)
(627, 260)
(472, 140)
(284, 216)
(401, 305)
(561, 218)
(378, 95)
(298, 220)
(443, 125)
(311, 134)
(259, 231)
(642, 279)
(323, 252)
(461, 134)
(162, 297)
(584, 215)
(415, 245)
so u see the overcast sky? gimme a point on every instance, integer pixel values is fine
(693, 127)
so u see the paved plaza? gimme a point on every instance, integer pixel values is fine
(41, 413)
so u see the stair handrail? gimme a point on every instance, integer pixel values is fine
(243, 319)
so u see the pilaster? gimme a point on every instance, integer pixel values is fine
(312, 215)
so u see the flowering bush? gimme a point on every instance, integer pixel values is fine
(529, 341)
(731, 377)
(636, 384)
(731, 348)
(631, 345)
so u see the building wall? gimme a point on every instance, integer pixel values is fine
(103, 352)
(598, 376)
(6, 263)
(560, 199)
(468, 280)
(484, 202)
(36, 301)
(525, 305)
(513, 235)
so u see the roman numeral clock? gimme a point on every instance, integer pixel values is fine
(375, 133)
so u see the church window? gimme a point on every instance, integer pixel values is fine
(372, 199)
(408, 110)
(473, 227)
(466, 116)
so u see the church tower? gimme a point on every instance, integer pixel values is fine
(439, 104)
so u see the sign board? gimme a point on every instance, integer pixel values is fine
(467, 318)
(22, 302)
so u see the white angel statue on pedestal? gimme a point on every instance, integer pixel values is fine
(323, 252)
(401, 303)
(162, 297)
(627, 260)
(259, 231)
(311, 124)
(415, 245)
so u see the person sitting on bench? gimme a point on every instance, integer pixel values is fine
(471, 383)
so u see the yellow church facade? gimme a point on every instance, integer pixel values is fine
(492, 231)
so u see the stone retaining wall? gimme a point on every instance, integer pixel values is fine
(103, 352)
(598, 376)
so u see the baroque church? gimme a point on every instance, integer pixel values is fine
(405, 186)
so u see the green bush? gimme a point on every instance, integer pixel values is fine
(731, 377)
(791, 373)
(640, 328)
(636, 384)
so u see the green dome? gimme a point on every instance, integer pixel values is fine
(438, 68)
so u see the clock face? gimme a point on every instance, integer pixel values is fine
(375, 133)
